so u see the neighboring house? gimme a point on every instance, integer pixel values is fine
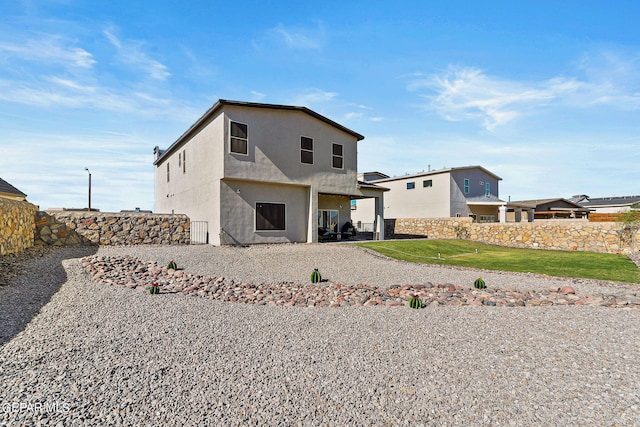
(555, 208)
(606, 204)
(8, 191)
(452, 192)
(263, 173)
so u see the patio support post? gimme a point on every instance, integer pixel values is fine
(379, 215)
(312, 229)
(503, 213)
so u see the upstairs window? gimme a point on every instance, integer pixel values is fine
(411, 185)
(487, 189)
(466, 186)
(179, 160)
(337, 157)
(239, 141)
(306, 150)
(167, 171)
(427, 183)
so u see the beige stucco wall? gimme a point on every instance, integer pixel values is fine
(612, 209)
(274, 150)
(418, 202)
(17, 225)
(196, 190)
(364, 211)
(237, 212)
(446, 197)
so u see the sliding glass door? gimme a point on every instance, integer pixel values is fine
(328, 219)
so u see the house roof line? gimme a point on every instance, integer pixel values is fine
(222, 102)
(557, 199)
(7, 188)
(610, 201)
(369, 185)
(438, 171)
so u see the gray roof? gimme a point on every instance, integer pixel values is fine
(610, 201)
(5, 187)
(371, 186)
(537, 202)
(203, 120)
(439, 171)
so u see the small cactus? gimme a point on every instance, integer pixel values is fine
(316, 277)
(154, 289)
(172, 265)
(415, 301)
(479, 283)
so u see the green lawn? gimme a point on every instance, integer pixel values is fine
(466, 253)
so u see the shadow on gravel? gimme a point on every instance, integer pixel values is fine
(42, 276)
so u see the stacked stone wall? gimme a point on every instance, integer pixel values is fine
(52, 232)
(578, 235)
(128, 228)
(17, 226)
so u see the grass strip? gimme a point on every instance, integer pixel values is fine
(462, 253)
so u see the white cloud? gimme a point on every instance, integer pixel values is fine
(300, 37)
(50, 48)
(470, 94)
(312, 97)
(152, 99)
(70, 84)
(131, 53)
(257, 96)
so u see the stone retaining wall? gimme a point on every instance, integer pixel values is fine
(128, 228)
(578, 235)
(52, 232)
(17, 226)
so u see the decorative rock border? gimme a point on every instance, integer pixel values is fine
(133, 273)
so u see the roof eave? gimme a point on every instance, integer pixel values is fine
(222, 102)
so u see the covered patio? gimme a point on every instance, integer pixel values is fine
(333, 218)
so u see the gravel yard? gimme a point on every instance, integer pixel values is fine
(101, 355)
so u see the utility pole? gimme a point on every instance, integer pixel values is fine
(89, 208)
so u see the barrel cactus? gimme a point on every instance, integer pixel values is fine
(479, 283)
(415, 301)
(316, 277)
(172, 265)
(154, 289)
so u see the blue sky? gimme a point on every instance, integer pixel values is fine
(545, 94)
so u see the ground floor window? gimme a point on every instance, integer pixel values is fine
(487, 218)
(270, 216)
(328, 219)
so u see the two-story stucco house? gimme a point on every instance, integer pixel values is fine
(451, 192)
(263, 173)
